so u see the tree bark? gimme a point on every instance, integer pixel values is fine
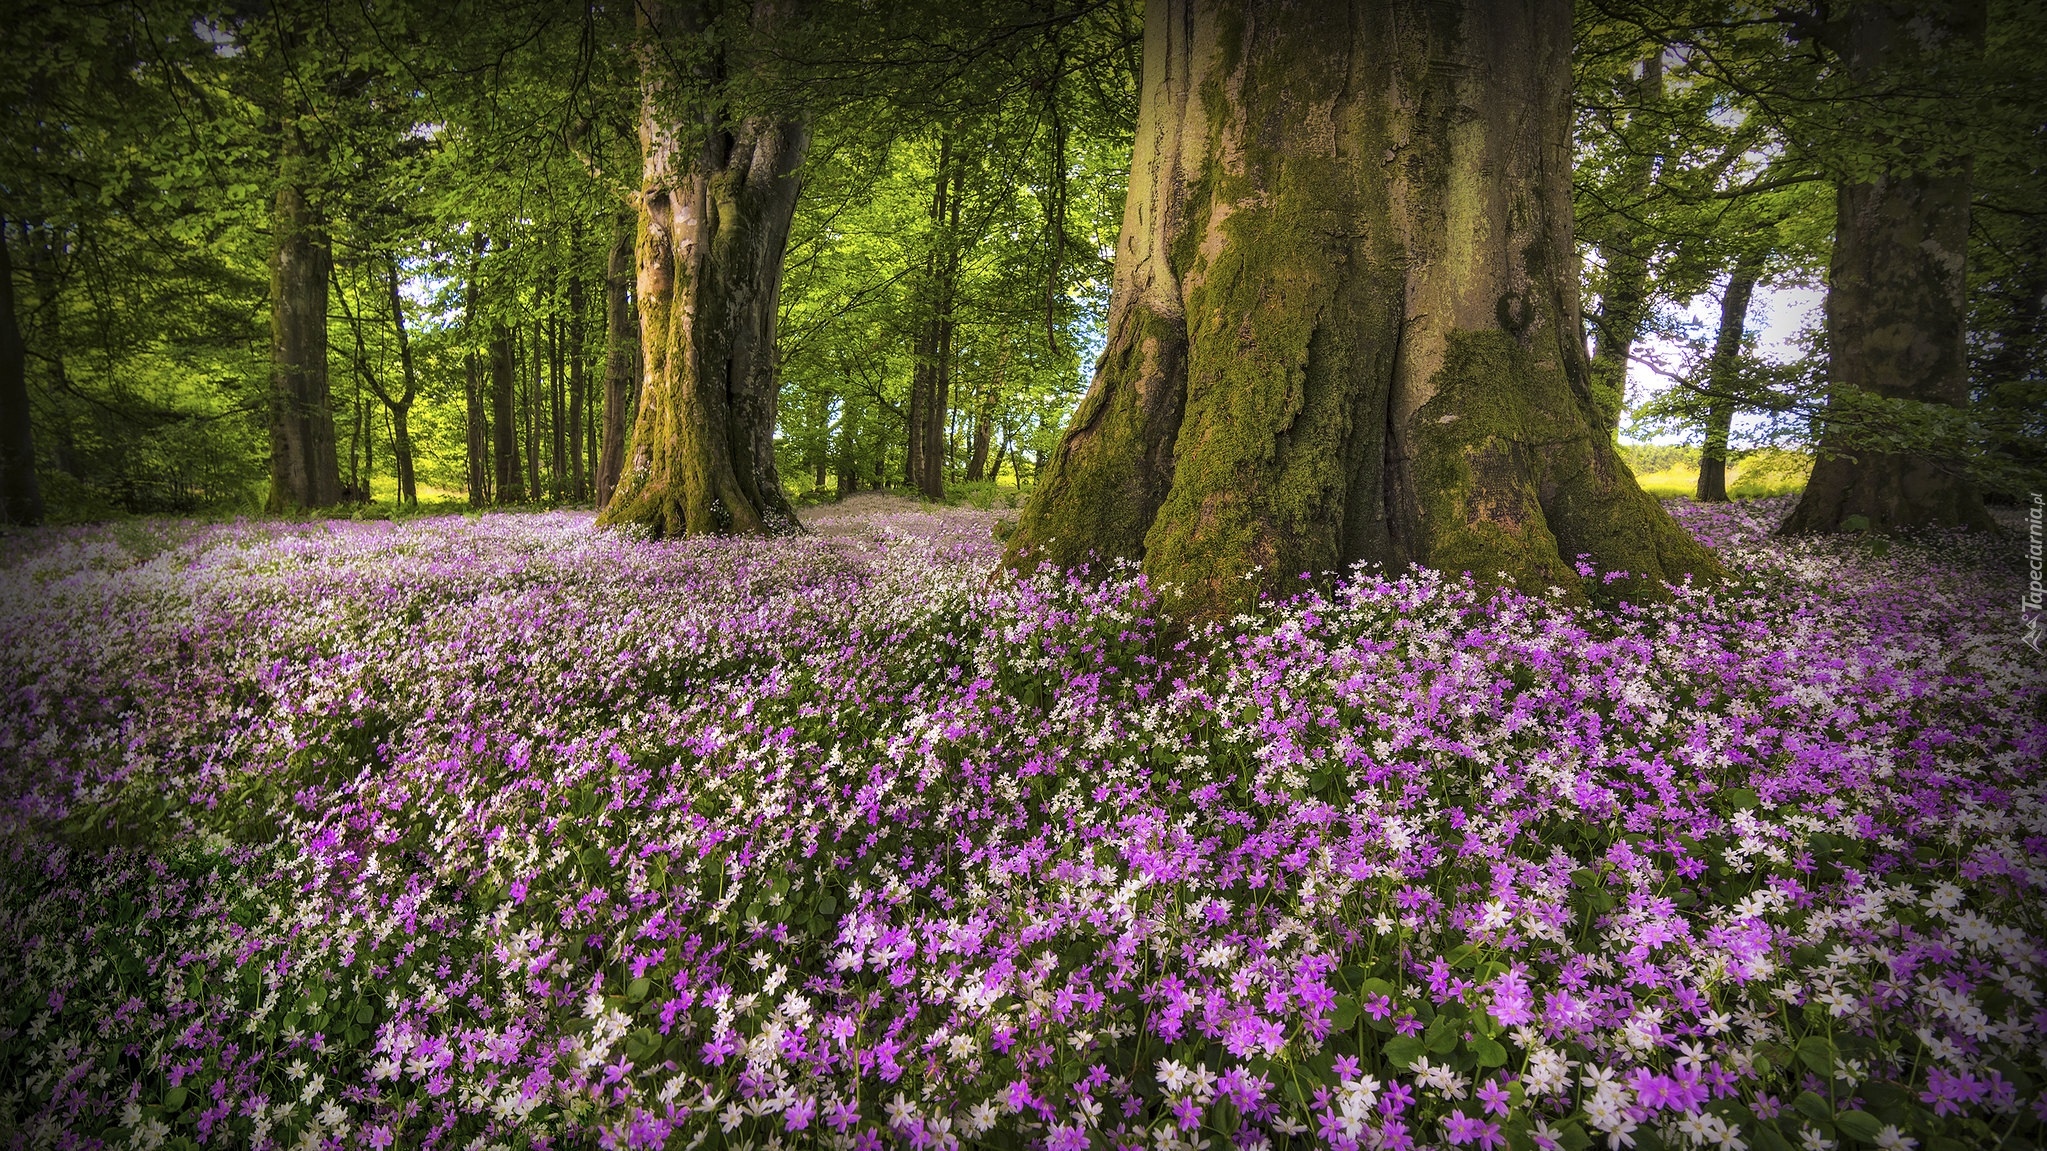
(1896, 309)
(931, 373)
(578, 489)
(21, 500)
(621, 360)
(509, 482)
(408, 490)
(1344, 324)
(1624, 256)
(304, 471)
(713, 227)
(477, 424)
(1721, 373)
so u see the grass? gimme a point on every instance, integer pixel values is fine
(1665, 471)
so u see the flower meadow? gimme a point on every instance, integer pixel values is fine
(506, 831)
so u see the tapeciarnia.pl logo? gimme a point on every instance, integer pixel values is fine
(2033, 607)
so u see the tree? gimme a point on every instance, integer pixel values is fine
(21, 502)
(717, 198)
(304, 471)
(1896, 312)
(1345, 322)
(1726, 361)
(621, 359)
(1623, 249)
(509, 482)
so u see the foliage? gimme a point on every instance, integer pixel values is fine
(503, 828)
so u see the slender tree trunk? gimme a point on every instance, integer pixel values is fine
(558, 463)
(621, 358)
(1721, 375)
(304, 471)
(1897, 315)
(713, 228)
(578, 489)
(1001, 450)
(931, 380)
(534, 384)
(1318, 356)
(504, 368)
(1624, 256)
(984, 422)
(21, 501)
(408, 491)
(355, 434)
(846, 458)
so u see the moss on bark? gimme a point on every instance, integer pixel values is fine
(1347, 270)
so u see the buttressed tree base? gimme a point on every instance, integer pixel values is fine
(714, 215)
(1345, 322)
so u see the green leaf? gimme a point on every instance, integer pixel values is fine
(1444, 1033)
(1403, 1050)
(1813, 1107)
(1764, 1137)
(174, 1099)
(1744, 799)
(1489, 1051)
(1817, 1053)
(1859, 1124)
(638, 988)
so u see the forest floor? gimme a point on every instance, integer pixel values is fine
(504, 830)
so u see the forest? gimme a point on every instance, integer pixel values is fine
(1031, 574)
(457, 192)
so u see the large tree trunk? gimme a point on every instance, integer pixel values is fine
(1344, 324)
(304, 471)
(1624, 259)
(1721, 375)
(713, 228)
(1896, 302)
(621, 359)
(510, 484)
(21, 501)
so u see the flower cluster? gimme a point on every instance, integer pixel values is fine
(507, 831)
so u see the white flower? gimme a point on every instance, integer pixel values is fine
(386, 1068)
(980, 1117)
(1811, 1139)
(1892, 1139)
(152, 1134)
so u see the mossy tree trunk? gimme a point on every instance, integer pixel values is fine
(1344, 324)
(715, 207)
(1722, 370)
(305, 472)
(1896, 310)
